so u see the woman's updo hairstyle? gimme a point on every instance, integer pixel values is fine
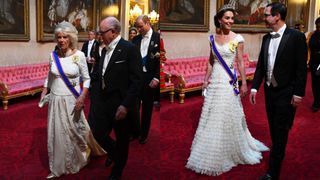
(70, 30)
(220, 13)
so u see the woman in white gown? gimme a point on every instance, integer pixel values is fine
(222, 139)
(70, 141)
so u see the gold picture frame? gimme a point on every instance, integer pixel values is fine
(14, 20)
(109, 8)
(191, 16)
(82, 14)
(249, 17)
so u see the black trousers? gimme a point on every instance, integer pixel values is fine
(134, 118)
(101, 121)
(315, 85)
(147, 97)
(280, 114)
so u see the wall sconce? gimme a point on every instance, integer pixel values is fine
(154, 17)
(134, 13)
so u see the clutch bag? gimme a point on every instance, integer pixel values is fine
(45, 100)
(204, 92)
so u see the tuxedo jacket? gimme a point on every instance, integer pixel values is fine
(290, 66)
(314, 45)
(123, 73)
(153, 60)
(84, 48)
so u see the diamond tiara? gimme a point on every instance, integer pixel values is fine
(224, 7)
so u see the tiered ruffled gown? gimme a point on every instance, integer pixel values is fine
(222, 139)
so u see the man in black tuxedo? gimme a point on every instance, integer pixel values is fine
(89, 48)
(149, 43)
(115, 84)
(282, 65)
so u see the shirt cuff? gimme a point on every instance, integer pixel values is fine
(299, 97)
(254, 90)
(156, 79)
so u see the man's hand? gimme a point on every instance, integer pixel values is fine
(253, 97)
(121, 113)
(90, 60)
(153, 83)
(295, 101)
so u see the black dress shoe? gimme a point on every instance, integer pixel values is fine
(132, 138)
(143, 140)
(113, 177)
(265, 177)
(108, 162)
(314, 109)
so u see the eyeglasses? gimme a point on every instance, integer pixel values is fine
(103, 32)
(266, 15)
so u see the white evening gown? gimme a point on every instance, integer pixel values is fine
(70, 141)
(222, 139)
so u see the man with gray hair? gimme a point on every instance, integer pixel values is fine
(115, 83)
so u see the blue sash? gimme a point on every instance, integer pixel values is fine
(63, 76)
(144, 60)
(233, 76)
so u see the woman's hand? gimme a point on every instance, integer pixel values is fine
(44, 92)
(79, 103)
(243, 90)
(205, 85)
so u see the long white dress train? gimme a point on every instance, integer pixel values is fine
(222, 139)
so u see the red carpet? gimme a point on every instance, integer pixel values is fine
(24, 155)
(24, 148)
(179, 123)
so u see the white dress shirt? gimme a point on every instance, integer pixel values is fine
(145, 43)
(272, 51)
(90, 44)
(109, 52)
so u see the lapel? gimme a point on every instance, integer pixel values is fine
(115, 54)
(282, 45)
(85, 48)
(266, 50)
(139, 39)
(103, 55)
(151, 44)
(93, 47)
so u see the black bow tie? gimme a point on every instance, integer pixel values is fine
(274, 35)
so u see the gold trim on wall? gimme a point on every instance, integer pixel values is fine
(175, 18)
(45, 27)
(11, 31)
